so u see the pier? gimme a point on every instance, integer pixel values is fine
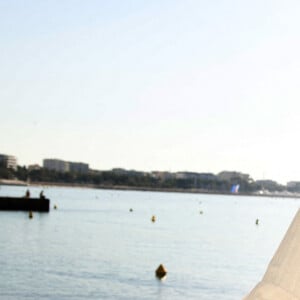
(25, 204)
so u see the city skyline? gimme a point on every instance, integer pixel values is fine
(162, 85)
(63, 165)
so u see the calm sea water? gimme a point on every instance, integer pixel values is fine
(92, 247)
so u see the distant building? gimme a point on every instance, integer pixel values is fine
(193, 175)
(293, 186)
(121, 171)
(269, 185)
(65, 166)
(8, 161)
(186, 175)
(78, 167)
(162, 175)
(34, 167)
(233, 175)
(56, 165)
(207, 176)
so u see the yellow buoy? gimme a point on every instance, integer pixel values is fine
(153, 219)
(30, 214)
(161, 272)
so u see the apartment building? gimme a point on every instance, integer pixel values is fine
(56, 165)
(78, 167)
(65, 166)
(8, 161)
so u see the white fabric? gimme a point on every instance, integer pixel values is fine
(282, 278)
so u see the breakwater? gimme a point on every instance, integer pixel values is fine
(26, 204)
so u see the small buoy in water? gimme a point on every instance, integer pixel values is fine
(55, 207)
(161, 272)
(257, 221)
(201, 212)
(153, 219)
(131, 210)
(30, 214)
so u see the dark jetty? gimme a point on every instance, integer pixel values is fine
(27, 204)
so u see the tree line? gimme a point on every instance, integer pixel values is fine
(135, 179)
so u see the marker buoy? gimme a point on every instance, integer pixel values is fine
(153, 219)
(161, 272)
(131, 210)
(256, 222)
(55, 207)
(30, 214)
(201, 212)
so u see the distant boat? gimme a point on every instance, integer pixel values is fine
(235, 189)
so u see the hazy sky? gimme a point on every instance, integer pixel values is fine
(169, 85)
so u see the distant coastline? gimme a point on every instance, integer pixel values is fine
(143, 189)
(78, 174)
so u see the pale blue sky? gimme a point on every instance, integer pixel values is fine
(202, 86)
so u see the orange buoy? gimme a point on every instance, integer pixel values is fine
(161, 272)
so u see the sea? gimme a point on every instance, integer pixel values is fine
(102, 244)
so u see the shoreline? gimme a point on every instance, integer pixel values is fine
(143, 189)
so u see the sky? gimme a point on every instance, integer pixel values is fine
(167, 85)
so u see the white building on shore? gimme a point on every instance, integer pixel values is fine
(8, 161)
